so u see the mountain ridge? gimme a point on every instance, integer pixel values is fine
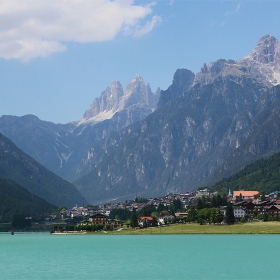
(58, 146)
(229, 100)
(203, 125)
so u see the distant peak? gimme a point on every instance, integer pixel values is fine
(137, 78)
(116, 84)
(267, 39)
(266, 50)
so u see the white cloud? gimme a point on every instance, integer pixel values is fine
(33, 28)
(237, 9)
(140, 31)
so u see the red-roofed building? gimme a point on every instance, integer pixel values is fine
(246, 195)
(145, 221)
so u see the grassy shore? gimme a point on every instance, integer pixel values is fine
(194, 228)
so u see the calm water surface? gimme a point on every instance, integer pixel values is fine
(44, 256)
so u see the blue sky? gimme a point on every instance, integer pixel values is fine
(57, 56)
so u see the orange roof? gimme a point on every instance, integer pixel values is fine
(245, 193)
(149, 218)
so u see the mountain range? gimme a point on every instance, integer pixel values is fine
(204, 127)
(62, 147)
(207, 130)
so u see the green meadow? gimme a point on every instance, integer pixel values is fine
(194, 228)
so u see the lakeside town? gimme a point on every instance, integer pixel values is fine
(198, 206)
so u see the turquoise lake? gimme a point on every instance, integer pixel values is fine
(44, 256)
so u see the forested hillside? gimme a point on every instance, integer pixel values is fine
(262, 175)
(25, 171)
(16, 199)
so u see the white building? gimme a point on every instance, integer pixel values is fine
(238, 212)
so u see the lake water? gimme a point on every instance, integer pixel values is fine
(44, 256)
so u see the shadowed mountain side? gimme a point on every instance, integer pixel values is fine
(25, 171)
(16, 199)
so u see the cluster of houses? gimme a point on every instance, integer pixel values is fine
(249, 202)
(243, 202)
(188, 198)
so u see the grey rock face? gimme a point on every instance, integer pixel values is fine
(263, 64)
(182, 80)
(266, 51)
(199, 135)
(63, 147)
(108, 101)
(114, 99)
(264, 61)
(184, 144)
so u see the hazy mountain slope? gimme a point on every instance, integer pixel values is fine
(24, 170)
(16, 199)
(48, 143)
(62, 147)
(260, 138)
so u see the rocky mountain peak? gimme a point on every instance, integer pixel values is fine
(114, 99)
(137, 78)
(116, 85)
(219, 68)
(264, 60)
(267, 50)
(107, 102)
(262, 64)
(135, 82)
(182, 80)
(138, 93)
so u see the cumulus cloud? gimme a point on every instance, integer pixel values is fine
(37, 28)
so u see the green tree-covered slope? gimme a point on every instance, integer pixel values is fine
(24, 170)
(16, 199)
(262, 175)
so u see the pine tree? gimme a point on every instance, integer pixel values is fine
(134, 219)
(199, 204)
(192, 214)
(229, 215)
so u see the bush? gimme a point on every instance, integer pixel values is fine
(201, 221)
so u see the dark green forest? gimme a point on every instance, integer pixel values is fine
(15, 199)
(262, 175)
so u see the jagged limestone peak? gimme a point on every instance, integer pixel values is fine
(266, 51)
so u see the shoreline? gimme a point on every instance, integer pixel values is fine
(256, 227)
(194, 228)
